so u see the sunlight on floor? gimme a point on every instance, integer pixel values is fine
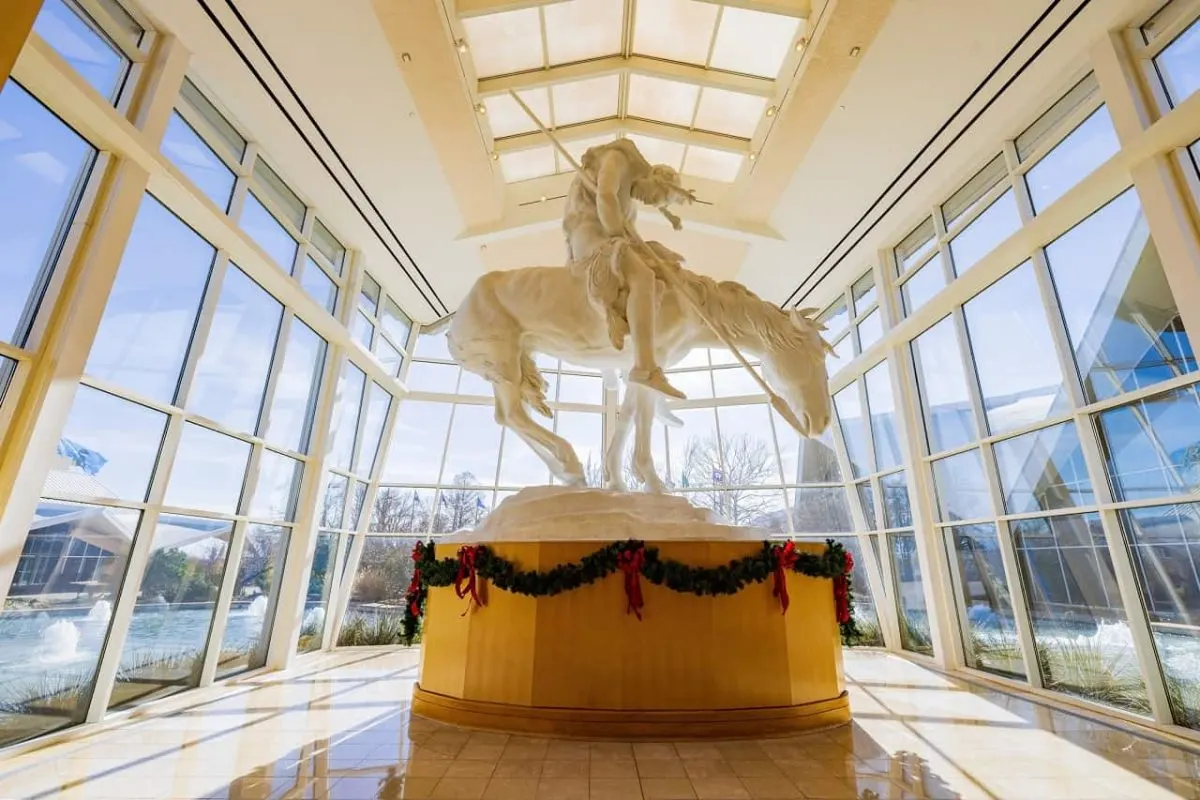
(338, 727)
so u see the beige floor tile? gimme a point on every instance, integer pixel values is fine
(460, 789)
(830, 789)
(563, 789)
(655, 750)
(615, 789)
(755, 769)
(518, 769)
(770, 788)
(613, 768)
(661, 768)
(698, 750)
(481, 752)
(568, 769)
(465, 768)
(707, 768)
(667, 789)
(720, 789)
(568, 751)
(511, 789)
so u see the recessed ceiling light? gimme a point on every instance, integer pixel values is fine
(542, 199)
(480, 109)
(462, 45)
(753, 156)
(800, 44)
(405, 57)
(495, 156)
(771, 111)
(854, 51)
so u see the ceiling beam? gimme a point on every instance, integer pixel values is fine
(800, 9)
(478, 8)
(525, 212)
(637, 65)
(614, 126)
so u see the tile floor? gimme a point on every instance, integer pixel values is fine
(338, 727)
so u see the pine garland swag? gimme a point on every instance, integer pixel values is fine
(635, 559)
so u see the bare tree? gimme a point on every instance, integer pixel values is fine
(727, 474)
(460, 505)
(399, 510)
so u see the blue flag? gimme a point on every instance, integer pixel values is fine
(479, 503)
(87, 460)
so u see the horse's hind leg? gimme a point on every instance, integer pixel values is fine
(551, 448)
(645, 405)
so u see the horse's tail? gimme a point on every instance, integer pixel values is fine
(533, 386)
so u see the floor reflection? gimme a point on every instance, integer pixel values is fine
(340, 728)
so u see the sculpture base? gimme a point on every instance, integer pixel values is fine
(634, 724)
(577, 665)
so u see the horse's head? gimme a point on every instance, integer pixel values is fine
(794, 364)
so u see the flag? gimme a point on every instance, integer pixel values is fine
(87, 460)
(684, 481)
(479, 503)
(718, 476)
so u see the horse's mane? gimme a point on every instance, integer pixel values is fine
(741, 314)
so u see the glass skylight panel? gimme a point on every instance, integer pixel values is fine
(659, 151)
(523, 165)
(577, 147)
(507, 42)
(662, 100)
(285, 200)
(1048, 123)
(973, 191)
(715, 165)
(227, 136)
(675, 30)
(581, 29)
(752, 42)
(582, 101)
(506, 118)
(734, 113)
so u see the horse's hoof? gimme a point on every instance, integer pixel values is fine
(617, 486)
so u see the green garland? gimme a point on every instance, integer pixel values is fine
(835, 563)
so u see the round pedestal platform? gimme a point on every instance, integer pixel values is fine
(576, 665)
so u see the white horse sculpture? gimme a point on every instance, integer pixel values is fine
(508, 316)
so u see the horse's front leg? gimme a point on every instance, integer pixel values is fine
(556, 451)
(614, 456)
(646, 403)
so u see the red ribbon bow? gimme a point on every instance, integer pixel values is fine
(467, 572)
(785, 559)
(841, 590)
(630, 562)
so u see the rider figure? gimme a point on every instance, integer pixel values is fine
(619, 280)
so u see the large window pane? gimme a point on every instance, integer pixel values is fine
(836, 318)
(1165, 544)
(375, 611)
(746, 447)
(949, 419)
(232, 374)
(395, 322)
(296, 389)
(347, 408)
(316, 597)
(1014, 352)
(418, 440)
(1123, 321)
(866, 500)
(923, 285)
(897, 509)
(268, 234)
(319, 286)
(854, 430)
(1084, 149)
(870, 330)
(252, 609)
(430, 377)
(580, 389)
(962, 491)
(519, 465)
(915, 633)
(177, 595)
(275, 492)
(999, 221)
(884, 431)
(806, 460)
(55, 619)
(8, 368)
(988, 629)
(820, 509)
(1043, 471)
(198, 162)
(108, 448)
(209, 471)
(379, 401)
(461, 506)
(82, 45)
(148, 323)
(693, 450)
(1179, 65)
(866, 615)
(473, 447)
(401, 510)
(585, 432)
(1084, 646)
(1152, 446)
(42, 166)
